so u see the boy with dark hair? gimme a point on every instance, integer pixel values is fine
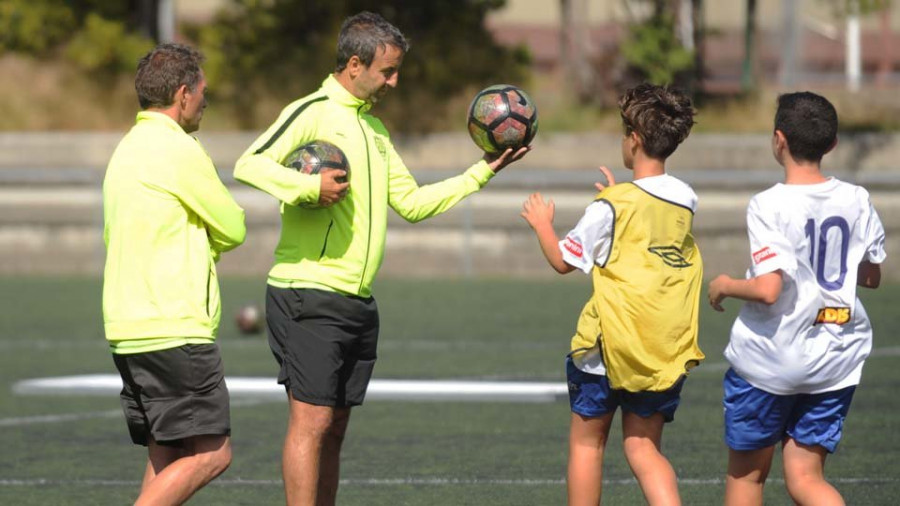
(798, 345)
(636, 338)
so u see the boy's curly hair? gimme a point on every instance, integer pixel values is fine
(661, 116)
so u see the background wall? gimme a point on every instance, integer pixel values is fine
(51, 208)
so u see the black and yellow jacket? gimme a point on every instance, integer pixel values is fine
(340, 248)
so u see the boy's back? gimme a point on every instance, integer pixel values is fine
(637, 336)
(647, 284)
(798, 346)
(817, 335)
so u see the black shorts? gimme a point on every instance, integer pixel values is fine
(324, 343)
(174, 394)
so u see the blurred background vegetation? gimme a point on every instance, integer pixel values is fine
(69, 64)
(76, 59)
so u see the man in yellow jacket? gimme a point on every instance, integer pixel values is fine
(167, 217)
(322, 318)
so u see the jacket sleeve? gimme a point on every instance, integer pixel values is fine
(199, 188)
(261, 165)
(415, 203)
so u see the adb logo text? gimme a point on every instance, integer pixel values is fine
(835, 315)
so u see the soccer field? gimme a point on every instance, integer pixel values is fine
(75, 450)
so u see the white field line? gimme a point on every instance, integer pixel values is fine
(70, 417)
(379, 389)
(266, 390)
(437, 481)
(707, 366)
(112, 413)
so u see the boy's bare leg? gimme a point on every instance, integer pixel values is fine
(587, 440)
(804, 475)
(173, 475)
(642, 450)
(747, 473)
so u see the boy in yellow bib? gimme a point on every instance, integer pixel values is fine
(636, 338)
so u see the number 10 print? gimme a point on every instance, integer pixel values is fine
(818, 250)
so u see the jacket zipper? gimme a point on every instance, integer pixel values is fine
(369, 172)
(325, 242)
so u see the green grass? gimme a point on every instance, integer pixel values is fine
(401, 453)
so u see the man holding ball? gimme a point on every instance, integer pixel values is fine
(322, 318)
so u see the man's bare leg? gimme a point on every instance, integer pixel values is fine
(173, 475)
(311, 459)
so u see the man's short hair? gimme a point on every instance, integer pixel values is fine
(362, 34)
(809, 123)
(163, 70)
(661, 116)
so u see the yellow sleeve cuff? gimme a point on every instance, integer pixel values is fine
(480, 172)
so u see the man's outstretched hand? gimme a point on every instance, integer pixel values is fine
(496, 161)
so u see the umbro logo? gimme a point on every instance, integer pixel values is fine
(671, 256)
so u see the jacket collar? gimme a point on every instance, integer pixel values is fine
(158, 118)
(341, 95)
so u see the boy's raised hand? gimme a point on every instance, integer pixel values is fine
(537, 212)
(610, 180)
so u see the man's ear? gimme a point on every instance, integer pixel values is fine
(180, 96)
(354, 66)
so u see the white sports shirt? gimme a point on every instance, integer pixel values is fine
(594, 233)
(816, 337)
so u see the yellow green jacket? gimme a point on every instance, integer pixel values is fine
(340, 248)
(646, 301)
(167, 217)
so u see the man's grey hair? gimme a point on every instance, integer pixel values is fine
(163, 70)
(362, 34)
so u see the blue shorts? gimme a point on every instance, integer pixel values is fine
(756, 419)
(590, 395)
